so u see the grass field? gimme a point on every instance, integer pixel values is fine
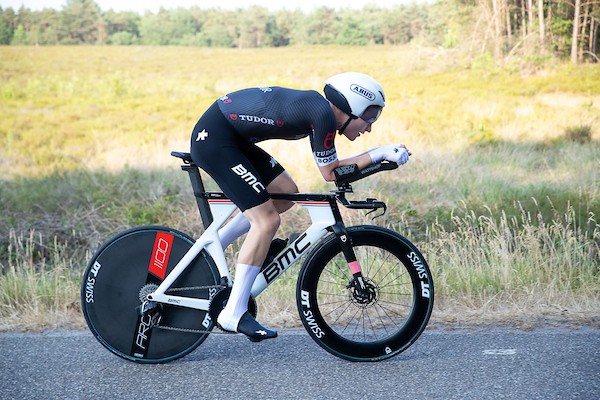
(502, 193)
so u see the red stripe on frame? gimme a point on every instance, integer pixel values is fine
(312, 203)
(160, 254)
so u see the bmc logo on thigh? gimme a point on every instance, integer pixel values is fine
(248, 177)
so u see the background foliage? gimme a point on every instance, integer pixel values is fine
(502, 192)
(503, 28)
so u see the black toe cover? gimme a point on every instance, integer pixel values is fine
(255, 331)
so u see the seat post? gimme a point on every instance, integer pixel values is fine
(201, 200)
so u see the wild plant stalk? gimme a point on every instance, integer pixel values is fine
(518, 267)
(39, 285)
(494, 266)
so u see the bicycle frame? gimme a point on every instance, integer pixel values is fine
(215, 208)
(323, 212)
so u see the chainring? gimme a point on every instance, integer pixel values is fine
(219, 301)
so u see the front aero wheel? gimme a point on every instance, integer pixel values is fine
(370, 325)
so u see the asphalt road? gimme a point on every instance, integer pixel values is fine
(483, 364)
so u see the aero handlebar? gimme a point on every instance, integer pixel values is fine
(350, 173)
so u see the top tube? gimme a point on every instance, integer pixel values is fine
(344, 176)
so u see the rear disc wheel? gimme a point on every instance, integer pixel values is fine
(117, 281)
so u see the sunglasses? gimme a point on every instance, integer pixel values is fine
(371, 114)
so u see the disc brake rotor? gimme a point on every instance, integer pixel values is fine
(363, 297)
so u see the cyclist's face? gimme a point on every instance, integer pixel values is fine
(356, 127)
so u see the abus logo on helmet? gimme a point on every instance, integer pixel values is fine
(367, 94)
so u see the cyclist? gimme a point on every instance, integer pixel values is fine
(223, 144)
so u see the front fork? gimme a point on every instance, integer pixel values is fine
(357, 283)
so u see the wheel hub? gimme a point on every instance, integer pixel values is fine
(363, 297)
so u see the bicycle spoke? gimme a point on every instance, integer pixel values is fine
(342, 267)
(409, 284)
(371, 325)
(366, 322)
(341, 314)
(381, 266)
(401, 276)
(381, 319)
(396, 294)
(350, 321)
(376, 319)
(385, 310)
(333, 283)
(332, 303)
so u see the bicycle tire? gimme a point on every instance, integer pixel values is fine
(110, 294)
(354, 329)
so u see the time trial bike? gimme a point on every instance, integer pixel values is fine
(151, 294)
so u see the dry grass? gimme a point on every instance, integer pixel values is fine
(39, 286)
(85, 136)
(486, 270)
(517, 270)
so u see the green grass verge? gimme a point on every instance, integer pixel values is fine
(502, 192)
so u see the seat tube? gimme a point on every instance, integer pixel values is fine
(198, 187)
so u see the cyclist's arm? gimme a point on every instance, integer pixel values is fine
(362, 160)
(323, 124)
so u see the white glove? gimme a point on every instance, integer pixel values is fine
(395, 152)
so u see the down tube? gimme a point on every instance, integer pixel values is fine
(322, 218)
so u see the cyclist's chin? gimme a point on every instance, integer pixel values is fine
(352, 135)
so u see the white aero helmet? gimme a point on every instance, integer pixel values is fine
(356, 94)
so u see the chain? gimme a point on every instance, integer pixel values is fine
(188, 330)
(195, 288)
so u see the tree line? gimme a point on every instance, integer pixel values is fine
(563, 28)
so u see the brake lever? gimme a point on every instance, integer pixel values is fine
(375, 209)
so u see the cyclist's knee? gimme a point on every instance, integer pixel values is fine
(273, 221)
(264, 217)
